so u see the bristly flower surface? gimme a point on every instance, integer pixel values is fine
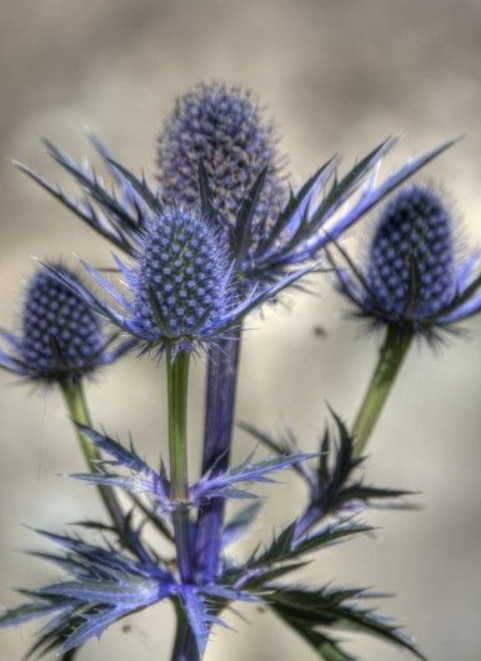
(180, 288)
(182, 281)
(223, 128)
(61, 337)
(414, 281)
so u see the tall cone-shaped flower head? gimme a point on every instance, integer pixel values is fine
(225, 129)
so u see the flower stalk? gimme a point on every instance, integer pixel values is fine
(391, 358)
(220, 405)
(177, 385)
(177, 391)
(74, 396)
(185, 647)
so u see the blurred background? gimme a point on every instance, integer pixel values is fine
(339, 76)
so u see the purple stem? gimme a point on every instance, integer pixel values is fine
(185, 647)
(221, 391)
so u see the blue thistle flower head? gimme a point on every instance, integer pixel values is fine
(180, 289)
(224, 128)
(415, 232)
(414, 281)
(182, 283)
(61, 337)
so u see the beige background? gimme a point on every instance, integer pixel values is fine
(339, 75)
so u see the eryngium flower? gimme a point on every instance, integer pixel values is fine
(61, 337)
(182, 280)
(225, 129)
(414, 282)
(265, 247)
(180, 289)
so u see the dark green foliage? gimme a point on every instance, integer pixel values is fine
(313, 614)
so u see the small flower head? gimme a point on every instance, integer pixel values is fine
(412, 255)
(182, 279)
(225, 129)
(413, 281)
(61, 337)
(180, 289)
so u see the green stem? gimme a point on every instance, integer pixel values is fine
(74, 396)
(391, 358)
(177, 389)
(177, 385)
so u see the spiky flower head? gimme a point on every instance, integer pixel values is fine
(182, 280)
(414, 282)
(411, 262)
(225, 129)
(180, 287)
(61, 337)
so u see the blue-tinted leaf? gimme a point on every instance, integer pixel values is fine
(27, 612)
(84, 209)
(107, 585)
(144, 479)
(91, 624)
(197, 615)
(140, 187)
(244, 222)
(128, 590)
(288, 445)
(225, 484)
(87, 178)
(297, 208)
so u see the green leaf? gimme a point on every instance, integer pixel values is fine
(311, 612)
(326, 647)
(285, 548)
